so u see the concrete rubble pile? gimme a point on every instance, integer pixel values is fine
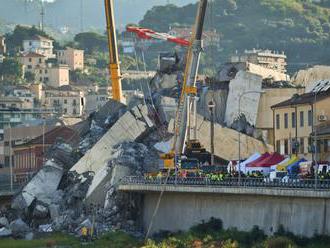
(77, 186)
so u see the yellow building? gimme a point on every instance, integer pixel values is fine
(294, 121)
(270, 97)
(74, 58)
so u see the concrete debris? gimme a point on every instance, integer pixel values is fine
(164, 147)
(5, 232)
(45, 228)
(19, 228)
(310, 75)
(4, 222)
(243, 82)
(41, 186)
(40, 211)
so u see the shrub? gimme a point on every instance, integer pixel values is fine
(279, 242)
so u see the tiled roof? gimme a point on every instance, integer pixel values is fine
(307, 98)
(32, 54)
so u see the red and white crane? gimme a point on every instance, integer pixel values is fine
(148, 34)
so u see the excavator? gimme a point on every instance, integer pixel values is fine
(186, 148)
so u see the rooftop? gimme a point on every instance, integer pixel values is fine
(32, 54)
(39, 37)
(307, 98)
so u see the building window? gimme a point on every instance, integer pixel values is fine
(65, 111)
(74, 102)
(302, 118)
(286, 120)
(326, 145)
(278, 126)
(286, 147)
(30, 67)
(294, 146)
(293, 119)
(278, 146)
(40, 71)
(310, 118)
(30, 43)
(40, 61)
(318, 146)
(65, 101)
(46, 71)
(30, 60)
(74, 111)
(302, 145)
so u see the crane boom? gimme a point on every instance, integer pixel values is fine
(188, 95)
(114, 65)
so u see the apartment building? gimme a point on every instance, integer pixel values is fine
(74, 58)
(39, 44)
(55, 76)
(66, 100)
(270, 97)
(295, 120)
(265, 58)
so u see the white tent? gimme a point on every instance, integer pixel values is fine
(249, 160)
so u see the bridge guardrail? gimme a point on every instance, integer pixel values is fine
(232, 182)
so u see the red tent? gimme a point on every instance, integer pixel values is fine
(274, 158)
(259, 160)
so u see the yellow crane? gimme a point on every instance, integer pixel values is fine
(114, 65)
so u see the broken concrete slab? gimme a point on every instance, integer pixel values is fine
(5, 232)
(242, 83)
(226, 141)
(19, 228)
(41, 186)
(127, 128)
(4, 222)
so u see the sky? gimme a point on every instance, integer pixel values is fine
(68, 12)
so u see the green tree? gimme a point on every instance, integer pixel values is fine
(11, 71)
(91, 42)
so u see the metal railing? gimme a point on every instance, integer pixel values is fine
(231, 182)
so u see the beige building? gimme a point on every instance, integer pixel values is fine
(294, 121)
(72, 57)
(35, 63)
(39, 44)
(270, 97)
(264, 58)
(66, 100)
(57, 76)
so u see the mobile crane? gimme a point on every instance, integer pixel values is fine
(114, 65)
(185, 121)
(184, 141)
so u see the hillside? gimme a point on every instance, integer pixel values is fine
(298, 27)
(67, 13)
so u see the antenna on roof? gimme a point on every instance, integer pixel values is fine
(81, 15)
(42, 15)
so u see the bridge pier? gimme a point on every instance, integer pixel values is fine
(303, 212)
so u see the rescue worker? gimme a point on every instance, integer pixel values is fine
(84, 234)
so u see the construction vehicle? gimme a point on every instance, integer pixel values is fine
(185, 127)
(114, 65)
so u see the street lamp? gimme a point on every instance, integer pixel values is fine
(315, 139)
(239, 133)
(211, 106)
